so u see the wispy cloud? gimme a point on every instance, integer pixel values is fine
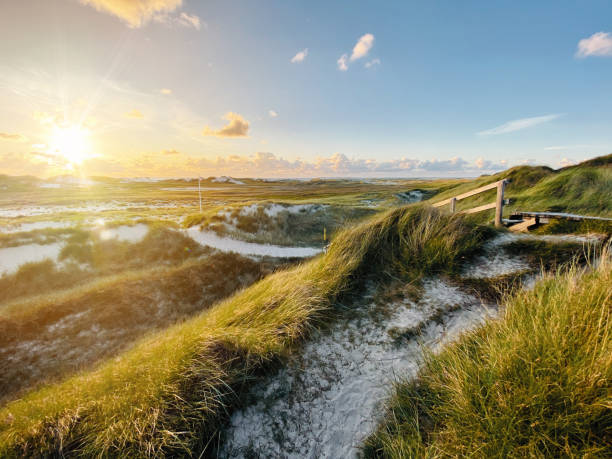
(372, 63)
(300, 56)
(13, 137)
(182, 20)
(342, 62)
(517, 125)
(598, 44)
(165, 91)
(272, 113)
(236, 127)
(571, 147)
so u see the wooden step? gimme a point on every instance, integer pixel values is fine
(524, 226)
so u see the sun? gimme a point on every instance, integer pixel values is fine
(71, 142)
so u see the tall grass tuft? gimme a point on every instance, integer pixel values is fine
(536, 383)
(170, 394)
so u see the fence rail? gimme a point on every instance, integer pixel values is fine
(498, 205)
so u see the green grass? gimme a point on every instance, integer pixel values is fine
(172, 391)
(584, 189)
(535, 383)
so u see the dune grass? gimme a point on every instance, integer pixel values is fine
(584, 189)
(51, 336)
(86, 256)
(170, 394)
(535, 383)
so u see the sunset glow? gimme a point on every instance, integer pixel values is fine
(173, 88)
(71, 143)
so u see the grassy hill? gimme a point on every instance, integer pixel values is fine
(534, 384)
(171, 392)
(585, 188)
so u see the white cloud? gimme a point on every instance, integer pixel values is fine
(566, 162)
(264, 164)
(372, 63)
(165, 91)
(485, 164)
(300, 56)
(174, 163)
(598, 44)
(236, 127)
(360, 50)
(570, 147)
(517, 125)
(363, 46)
(272, 113)
(135, 13)
(342, 62)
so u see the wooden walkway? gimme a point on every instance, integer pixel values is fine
(498, 205)
(554, 215)
(519, 220)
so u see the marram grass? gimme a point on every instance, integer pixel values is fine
(170, 393)
(535, 383)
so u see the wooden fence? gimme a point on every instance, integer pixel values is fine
(498, 205)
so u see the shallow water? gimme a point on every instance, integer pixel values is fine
(133, 234)
(24, 227)
(11, 258)
(28, 211)
(227, 244)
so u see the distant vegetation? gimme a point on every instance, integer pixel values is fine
(536, 383)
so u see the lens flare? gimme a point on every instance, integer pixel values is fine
(70, 142)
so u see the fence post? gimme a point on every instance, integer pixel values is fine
(453, 205)
(499, 203)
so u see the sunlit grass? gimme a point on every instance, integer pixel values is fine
(535, 383)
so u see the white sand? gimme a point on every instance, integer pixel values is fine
(227, 244)
(328, 399)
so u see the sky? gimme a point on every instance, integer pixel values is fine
(253, 88)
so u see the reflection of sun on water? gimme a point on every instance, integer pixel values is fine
(70, 142)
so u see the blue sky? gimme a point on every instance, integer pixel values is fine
(440, 88)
